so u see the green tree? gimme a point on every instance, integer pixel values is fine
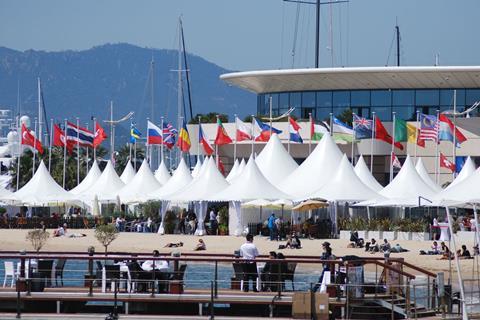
(123, 156)
(210, 117)
(346, 116)
(106, 234)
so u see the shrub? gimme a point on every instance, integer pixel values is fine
(105, 234)
(37, 238)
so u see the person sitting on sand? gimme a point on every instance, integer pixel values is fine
(385, 247)
(356, 241)
(372, 246)
(293, 242)
(200, 246)
(446, 253)
(61, 231)
(464, 253)
(173, 245)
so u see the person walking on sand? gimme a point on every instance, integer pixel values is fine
(249, 252)
(271, 226)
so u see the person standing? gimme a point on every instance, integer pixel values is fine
(249, 252)
(271, 226)
(326, 255)
(213, 222)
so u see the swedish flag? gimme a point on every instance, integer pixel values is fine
(134, 134)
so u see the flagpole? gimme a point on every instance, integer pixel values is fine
(454, 153)
(331, 124)
(354, 137)
(20, 150)
(86, 151)
(163, 142)
(235, 142)
(288, 142)
(94, 147)
(393, 146)
(216, 146)
(374, 129)
(198, 145)
(130, 143)
(64, 152)
(147, 145)
(135, 154)
(437, 165)
(417, 127)
(112, 142)
(34, 148)
(271, 119)
(312, 131)
(78, 151)
(50, 147)
(253, 135)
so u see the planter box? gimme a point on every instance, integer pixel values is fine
(403, 235)
(363, 234)
(345, 234)
(377, 235)
(465, 236)
(420, 236)
(389, 235)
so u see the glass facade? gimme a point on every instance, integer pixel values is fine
(363, 102)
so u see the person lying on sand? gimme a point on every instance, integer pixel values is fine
(173, 245)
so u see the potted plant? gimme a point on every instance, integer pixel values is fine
(418, 229)
(105, 234)
(387, 229)
(223, 229)
(373, 229)
(403, 229)
(344, 227)
(169, 224)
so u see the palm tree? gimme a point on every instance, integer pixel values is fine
(123, 156)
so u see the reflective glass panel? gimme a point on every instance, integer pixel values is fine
(324, 99)
(323, 114)
(383, 113)
(403, 97)
(406, 113)
(427, 98)
(360, 98)
(381, 98)
(473, 95)
(308, 99)
(341, 98)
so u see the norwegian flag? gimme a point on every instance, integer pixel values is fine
(395, 162)
(445, 163)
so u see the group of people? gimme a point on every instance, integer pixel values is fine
(373, 246)
(446, 254)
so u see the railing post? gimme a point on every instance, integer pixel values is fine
(393, 306)
(313, 314)
(280, 280)
(212, 316)
(407, 298)
(216, 278)
(415, 301)
(19, 315)
(91, 251)
(154, 279)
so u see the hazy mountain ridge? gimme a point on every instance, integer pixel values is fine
(82, 83)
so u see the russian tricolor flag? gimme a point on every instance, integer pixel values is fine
(293, 129)
(154, 134)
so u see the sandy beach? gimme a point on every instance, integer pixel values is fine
(14, 239)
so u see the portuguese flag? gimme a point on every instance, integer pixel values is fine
(222, 135)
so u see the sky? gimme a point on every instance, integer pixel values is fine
(254, 34)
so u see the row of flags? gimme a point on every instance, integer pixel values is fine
(444, 162)
(70, 137)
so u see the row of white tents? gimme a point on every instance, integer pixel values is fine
(273, 175)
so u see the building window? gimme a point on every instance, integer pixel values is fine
(427, 97)
(323, 114)
(308, 99)
(403, 97)
(341, 99)
(383, 113)
(360, 98)
(381, 98)
(324, 99)
(406, 113)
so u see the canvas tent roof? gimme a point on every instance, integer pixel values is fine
(422, 171)
(366, 176)
(233, 171)
(6, 195)
(105, 188)
(162, 174)
(345, 185)
(196, 169)
(315, 171)
(240, 169)
(464, 191)
(249, 185)
(275, 162)
(128, 173)
(42, 190)
(467, 170)
(143, 181)
(207, 184)
(93, 174)
(180, 178)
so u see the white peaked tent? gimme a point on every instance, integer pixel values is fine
(274, 161)
(404, 190)
(422, 171)
(366, 176)
(196, 169)
(233, 171)
(42, 190)
(249, 185)
(209, 182)
(467, 170)
(128, 173)
(180, 178)
(144, 181)
(93, 174)
(315, 171)
(345, 185)
(240, 169)
(463, 192)
(105, 188)
(203, 167)
(162, 174)
(6, 196)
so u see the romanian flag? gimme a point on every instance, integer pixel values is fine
(183, 138)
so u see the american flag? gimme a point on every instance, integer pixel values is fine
(169, 134)
(428, 127)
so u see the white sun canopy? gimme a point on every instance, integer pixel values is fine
(465, 191)
(93, 175)
(128, 173)
(162, 174)
(275, 162)
(7, 196)
(315, 171)
(144, 181)
(366, 176)
(208, 183)
(249, 185)
(180, 178)
(422, 171)
(345, 185)
(196, 169)
(405, 189)
(467, 170)
(239, 170)
(42, 190)
(105, 188)
(233, 171)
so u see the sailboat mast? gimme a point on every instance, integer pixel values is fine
(40, 122)
(397, 30)
(187, 76)
(179, 84)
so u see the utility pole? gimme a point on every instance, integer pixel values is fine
(317, 4)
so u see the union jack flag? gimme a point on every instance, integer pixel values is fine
(169, 134)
